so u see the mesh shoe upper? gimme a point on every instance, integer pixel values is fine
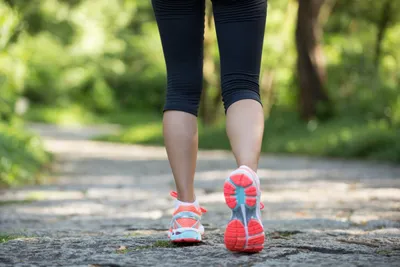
(186, 216)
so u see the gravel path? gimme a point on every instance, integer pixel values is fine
(109, 205)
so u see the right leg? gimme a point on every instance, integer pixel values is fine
(240, 28)
(181, 26)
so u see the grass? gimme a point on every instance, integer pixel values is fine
(163, 244)
(77, 115)
(345, 136)
(72, 115)
(157, 244)
(7, 237)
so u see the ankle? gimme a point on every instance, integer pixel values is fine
(187, 198)
(186, 195)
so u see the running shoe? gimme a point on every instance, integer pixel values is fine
(244, 231)
(185, 225)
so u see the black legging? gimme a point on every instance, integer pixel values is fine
(240, 26)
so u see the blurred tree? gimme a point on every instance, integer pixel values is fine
(313, 100)
(381, 14)
(211, 94)
(384, 21)
(106, 55)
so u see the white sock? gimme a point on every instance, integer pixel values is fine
(248, 168)
(181, 203)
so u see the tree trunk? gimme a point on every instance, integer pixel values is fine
(313, 100)
(210, 99)
(382, 27)
(266, 90)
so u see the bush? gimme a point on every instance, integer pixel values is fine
(12, 66)
(22, 156)
(374, 141)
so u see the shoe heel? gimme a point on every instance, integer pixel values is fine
(239, 189)
(240, 194)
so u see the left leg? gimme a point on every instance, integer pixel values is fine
(181, 27)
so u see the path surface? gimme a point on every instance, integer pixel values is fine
(107, 196)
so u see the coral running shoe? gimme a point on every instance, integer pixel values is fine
(245, 231)
(185, 225)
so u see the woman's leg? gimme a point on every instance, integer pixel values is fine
(240, 26)
(245, 128)
(181, 142)
(181, 26)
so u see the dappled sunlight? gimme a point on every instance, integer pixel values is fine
(111, 188)
(91, 149)
(38, 195)
(142, 133)
(58, 136)
(212, 175)
(152, 215)
(102, 181)
(115, 194)
(67, 209)
(287, 174)
(129, 184)
(327, 194)
(214, 198)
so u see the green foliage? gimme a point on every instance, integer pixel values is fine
(349, 137)
(22, 157)
(12, 66)
(78, 115)
(367, 10)
(341, 137)
(279, 55)
(99, 55)
(354, 83)
(72, 115)
(106, 56)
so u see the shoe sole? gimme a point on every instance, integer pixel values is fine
(244, 232)
(186, 237)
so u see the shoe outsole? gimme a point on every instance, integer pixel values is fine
(244, 232)
(186, 240)
(186, 237)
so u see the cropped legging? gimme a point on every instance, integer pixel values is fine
(240, 26)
